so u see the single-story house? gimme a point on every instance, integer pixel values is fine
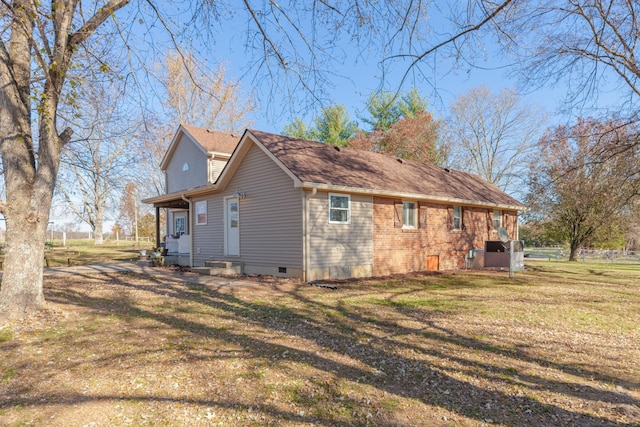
(283, 206)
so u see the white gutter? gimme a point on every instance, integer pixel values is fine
(212, 188)
(190, 230)
(403, 195)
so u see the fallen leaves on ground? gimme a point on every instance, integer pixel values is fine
(461, 348)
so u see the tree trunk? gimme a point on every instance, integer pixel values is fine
(21, 289)
(29, 169)
(25, 213)
(574, 245)
(97, 229)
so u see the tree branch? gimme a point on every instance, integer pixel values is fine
(265, 36)
(450, 40)
(94, 22)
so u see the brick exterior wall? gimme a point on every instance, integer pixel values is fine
(398, 250)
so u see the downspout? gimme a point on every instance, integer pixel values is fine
(307, 243)
(190, 229)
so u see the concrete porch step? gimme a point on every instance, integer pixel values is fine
(219, 264)
(177, 259)
(215, 268)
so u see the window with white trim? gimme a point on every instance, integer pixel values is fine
(497, 219)
(409, 215)
(201, 212)
(457, 217)
(339, 208)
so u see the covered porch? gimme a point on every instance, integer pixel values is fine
(177, 240)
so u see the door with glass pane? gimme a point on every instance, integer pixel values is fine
(180, 224)
(232, 227)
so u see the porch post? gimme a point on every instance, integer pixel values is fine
(157, 227)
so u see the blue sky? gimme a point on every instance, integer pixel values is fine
(354, 78)
(358, 75)
(359, 80)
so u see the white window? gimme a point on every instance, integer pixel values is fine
(457, 218)
(201, 212)
(497, 219)
(339, 209)
(185, 167)
(409, 215)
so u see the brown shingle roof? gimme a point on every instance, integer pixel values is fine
(315, 162)
(213, 141)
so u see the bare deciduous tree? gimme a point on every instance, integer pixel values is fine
(154, 139)
(201, 97)
(130, 209)
(490, 135)
(93, 166)
(583, 44)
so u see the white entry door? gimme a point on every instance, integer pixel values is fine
(232, 227)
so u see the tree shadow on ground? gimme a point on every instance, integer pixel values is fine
(378, 348)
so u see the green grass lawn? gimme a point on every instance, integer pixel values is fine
(558, 345)
(79, 252)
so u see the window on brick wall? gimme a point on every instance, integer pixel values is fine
(409, 215)
(457, 217)
(497, 219)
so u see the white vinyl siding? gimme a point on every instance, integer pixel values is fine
(187, 152)
(335, 246)
(215, 168)
(270, 217)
